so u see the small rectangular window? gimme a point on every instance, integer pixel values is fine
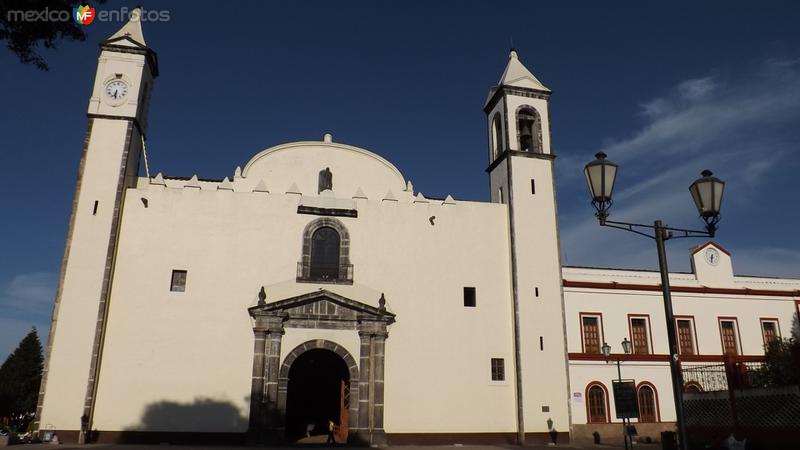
(541, 343)
(178, 283)
(590, 329)
(769, 331)
(536, 291)
(639, 336)
(498, 369)
(500, 197)
(685, 336)
(94, 210)
(533, 186)
(469, 296)
(730, 344)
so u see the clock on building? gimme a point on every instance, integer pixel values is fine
(116, 92)
(712, 256)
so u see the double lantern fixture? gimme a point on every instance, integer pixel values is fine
(706, 191)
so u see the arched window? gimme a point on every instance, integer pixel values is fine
(597, 410)
(647, 404)
(529, 130)
(325, 254)
(497, 136)
(692, 387)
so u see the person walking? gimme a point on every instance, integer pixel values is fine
(331, 428)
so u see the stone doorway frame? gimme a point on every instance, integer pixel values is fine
(321, 309)
(315, 344)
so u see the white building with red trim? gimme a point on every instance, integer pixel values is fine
(717, 314)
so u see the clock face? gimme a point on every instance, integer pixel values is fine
(116, 91)
(712, 256)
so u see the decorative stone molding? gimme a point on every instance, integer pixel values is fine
(320, 309)
(345, 268)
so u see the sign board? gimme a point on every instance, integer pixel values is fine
(625, 399)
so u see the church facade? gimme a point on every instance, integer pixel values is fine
(316, 285)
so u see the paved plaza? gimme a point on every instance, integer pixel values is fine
(310, 447)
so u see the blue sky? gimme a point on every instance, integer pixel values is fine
(665, 89)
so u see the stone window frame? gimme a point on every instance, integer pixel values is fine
(345, 268)
(538, 144)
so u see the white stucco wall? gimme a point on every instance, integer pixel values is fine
(163, 346)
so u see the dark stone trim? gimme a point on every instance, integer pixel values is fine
(506, 153)
(155, 437)
(281, 306)
(130, 119)
(236, 439)
(565, 345)
(522, 92)
(326, 211)
(108, 276)
(149, 54)
(67, 247)
(516, 316)
(472, 438)
(269, 389)
(185, 178)
(345, 269)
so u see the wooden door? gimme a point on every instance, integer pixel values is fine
(344, 411)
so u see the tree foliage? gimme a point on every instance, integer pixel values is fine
(20, 376)
(782, 362)
(24, 37)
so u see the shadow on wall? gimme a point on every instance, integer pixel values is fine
(204, 420)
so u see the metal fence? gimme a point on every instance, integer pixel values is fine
(726, 376)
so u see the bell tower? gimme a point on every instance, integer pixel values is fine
(522, 177)
(117, 124)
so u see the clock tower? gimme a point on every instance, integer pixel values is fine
(109, 165)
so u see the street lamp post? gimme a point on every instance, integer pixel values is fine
(707, 195)
(626, 348)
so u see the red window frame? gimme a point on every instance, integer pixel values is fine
(590, 418)
(692, 335)
(600, 337)
(773, 320)
(642, 338)
(737, 340)
(656, 413)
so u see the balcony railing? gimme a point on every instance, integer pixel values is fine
(324, 273)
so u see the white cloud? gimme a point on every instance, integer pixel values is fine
(32, 292)
(733, 127)
(696, 89)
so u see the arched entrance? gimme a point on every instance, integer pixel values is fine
(360, 418)
(314, 387)
(317, 392)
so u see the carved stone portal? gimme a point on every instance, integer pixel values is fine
(318, 310)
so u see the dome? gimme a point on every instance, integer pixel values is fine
(300, 163)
